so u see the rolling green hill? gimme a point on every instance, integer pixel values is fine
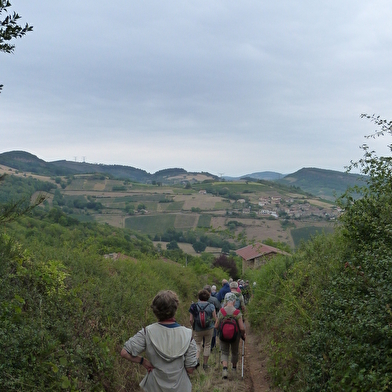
(284, 210)
(327, 184)
(24, 161)
(322, 183)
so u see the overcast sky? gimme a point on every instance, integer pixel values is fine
(228, 87)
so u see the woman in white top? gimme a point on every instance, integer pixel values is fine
(169, 348)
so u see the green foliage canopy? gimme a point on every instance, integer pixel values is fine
(10, 29)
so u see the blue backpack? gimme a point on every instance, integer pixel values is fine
(203, 318)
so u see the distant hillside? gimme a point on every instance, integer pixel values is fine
(319, 182)
(327, 184)
(266, 175)
(24, 161)
(117, 171)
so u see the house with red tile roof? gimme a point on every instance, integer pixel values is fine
(254, 256)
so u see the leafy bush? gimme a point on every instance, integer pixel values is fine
(65, 310)
(34, 330)
(172, 245)
(327, 311)
(228, 264)
(351, 341)
(199, 246)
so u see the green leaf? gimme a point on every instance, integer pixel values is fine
(54, 367)
(65, 384)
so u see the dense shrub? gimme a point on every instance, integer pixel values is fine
(15, 188)
(65, 310)
(34, 321)
(228, 264)
(350, 344)
(327, 312)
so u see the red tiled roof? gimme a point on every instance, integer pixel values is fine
(251, 252)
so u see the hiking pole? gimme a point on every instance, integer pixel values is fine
(243, 354)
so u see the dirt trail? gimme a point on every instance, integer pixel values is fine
(255, 373)
(256, 377)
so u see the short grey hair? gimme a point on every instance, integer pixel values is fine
(234, 285)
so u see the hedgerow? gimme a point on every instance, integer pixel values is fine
(66, 310)
(327, 311)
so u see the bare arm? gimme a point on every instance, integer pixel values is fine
(243, 308)
(145, 362)
(190, 357)
(217, 322)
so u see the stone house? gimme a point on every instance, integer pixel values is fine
(254, 256)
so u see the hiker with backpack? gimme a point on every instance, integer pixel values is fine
(246, 291)
(202, 316)
(223, 291)
(217, 304)
(240, 302)
(230, 329)
(213, 300)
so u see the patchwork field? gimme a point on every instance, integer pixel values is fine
(228, 209)
(175, 207)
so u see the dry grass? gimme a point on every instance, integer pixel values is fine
(116, 220)
(204, 202)
(187, 248)
(211, 379)
(100, 186)
(17, 173)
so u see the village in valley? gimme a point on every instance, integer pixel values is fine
(288, 208)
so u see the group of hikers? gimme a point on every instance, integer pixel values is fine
(219, 314)
(174, 351)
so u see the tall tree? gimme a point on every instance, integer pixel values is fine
(10, 29)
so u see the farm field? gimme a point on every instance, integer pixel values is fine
(187, 248)
(189, 209)
(235, 211)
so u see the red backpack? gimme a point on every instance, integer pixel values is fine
(228, 329)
